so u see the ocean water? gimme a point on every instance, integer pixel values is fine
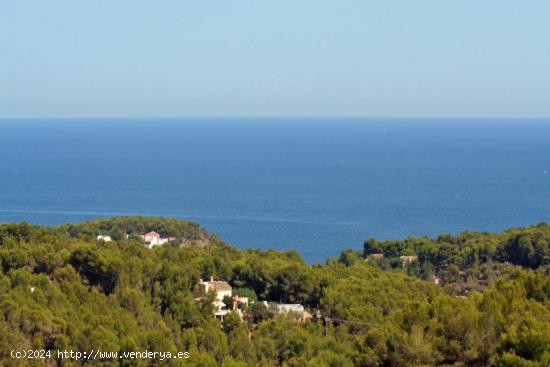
(314, 185)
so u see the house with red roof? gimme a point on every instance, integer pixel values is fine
(153, 238)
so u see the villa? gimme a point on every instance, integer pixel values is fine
(104, 237)
(152, 239)
(221, 288)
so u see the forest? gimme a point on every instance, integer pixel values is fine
(62, 289)
(467, 261)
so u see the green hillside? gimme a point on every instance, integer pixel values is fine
(61, 289)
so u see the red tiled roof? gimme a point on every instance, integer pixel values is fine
(152, 234)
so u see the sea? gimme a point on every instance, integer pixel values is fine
(315, 185)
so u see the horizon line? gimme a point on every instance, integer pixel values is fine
(280, 117)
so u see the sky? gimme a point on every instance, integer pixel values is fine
(142, 58)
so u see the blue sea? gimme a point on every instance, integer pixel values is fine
(314, 185)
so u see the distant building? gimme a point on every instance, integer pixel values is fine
(408, 259)
(290, 308)
(104, 237)
(297, 310)
(284, 307)
(221, 289)
(152, 239)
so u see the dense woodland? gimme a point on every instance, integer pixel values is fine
(468, 261)
(60, 288)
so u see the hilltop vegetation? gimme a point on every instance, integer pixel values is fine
(62, 289)
(130, 227)
(470, 260)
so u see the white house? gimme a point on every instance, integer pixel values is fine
(104, 237)
(285, 307)
(153, 238)
(297, 311)
(221, 289)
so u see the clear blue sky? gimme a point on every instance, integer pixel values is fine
(284, 57)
